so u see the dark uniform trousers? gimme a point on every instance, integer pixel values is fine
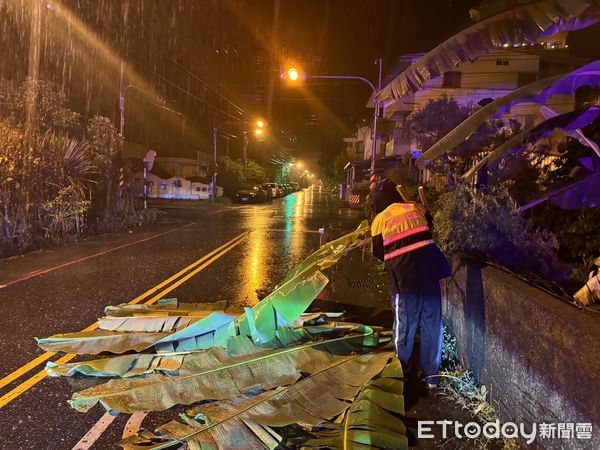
(419, 309)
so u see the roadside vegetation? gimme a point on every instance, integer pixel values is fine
(484, 220)
(460, 386)
(234, 175)
(59, 174)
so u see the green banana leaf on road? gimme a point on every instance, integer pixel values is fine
(251, 375)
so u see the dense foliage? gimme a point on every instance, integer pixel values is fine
(57, 174)
(234, 175)
(438, 117)
(486, 224)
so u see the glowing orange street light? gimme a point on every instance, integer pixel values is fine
(293, 74)
(260, 123)
(259, 132)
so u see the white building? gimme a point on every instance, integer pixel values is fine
(472, 83)
(177, 188)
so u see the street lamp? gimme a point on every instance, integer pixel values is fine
(294, 74)
(259, 130)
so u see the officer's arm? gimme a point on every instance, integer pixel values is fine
(377, 247)
(376, 232)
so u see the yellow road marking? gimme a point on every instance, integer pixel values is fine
(209, 258)
(34, 363)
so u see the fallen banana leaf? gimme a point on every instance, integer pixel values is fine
(119, 366)
(169, 306)
(298, 290)
(216, 375)
(261, 322)
(370, 422)
(148, 324)
(143, 363)
(97, 341)
(248, 421)
(168, 315)
(526, 21)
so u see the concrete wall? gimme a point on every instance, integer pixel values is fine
(538, 356)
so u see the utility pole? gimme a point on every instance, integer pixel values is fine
(33, 68)
(122, 99)
(245, 148)
(379, 62)
(213, 187)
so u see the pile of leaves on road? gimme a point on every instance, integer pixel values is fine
(269, 376)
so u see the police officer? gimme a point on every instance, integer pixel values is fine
(414, 265)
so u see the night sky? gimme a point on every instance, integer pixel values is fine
(211, 60)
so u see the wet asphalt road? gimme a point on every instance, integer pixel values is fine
(282, 233)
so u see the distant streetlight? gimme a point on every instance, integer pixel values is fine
(259, 130)
(294, 75)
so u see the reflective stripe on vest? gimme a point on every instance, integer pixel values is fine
(404, 234)
(407, 249)
(403, 227)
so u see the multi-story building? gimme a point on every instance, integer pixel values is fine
(471, 83)
(489, 77)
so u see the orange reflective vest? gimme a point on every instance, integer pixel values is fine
(404, 229)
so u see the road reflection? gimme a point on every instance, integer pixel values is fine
(280, 238)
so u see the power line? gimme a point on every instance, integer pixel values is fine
(196, 97)
(207, 85)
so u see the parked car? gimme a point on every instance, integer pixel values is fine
(296, 186)
(281, 190)
(268, 190)
(274, 189)
(252, 194)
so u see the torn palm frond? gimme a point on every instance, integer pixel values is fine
(263, 323)
(147, 323)
(167, 315)
(119, 366)
(164, 307)
(537, 92)
(297, 291)
(329, 254)
(98, 341)
(371, 421)
(523, 24)
(249, 421)
(217, 375)
(169, 362)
